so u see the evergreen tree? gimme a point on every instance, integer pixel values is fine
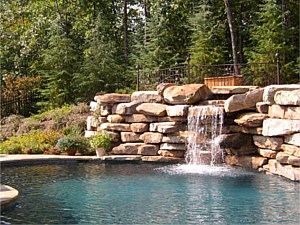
(60, 64)
(101, 72)
(208, 35)
(269, 36)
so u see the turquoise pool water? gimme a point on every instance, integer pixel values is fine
(95, 193)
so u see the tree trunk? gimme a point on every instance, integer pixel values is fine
(232, 35)
(145, 24)
(125, 23)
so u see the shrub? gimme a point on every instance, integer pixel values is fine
(74, 142)
(102, 140)
(31, 143)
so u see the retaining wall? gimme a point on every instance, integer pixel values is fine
(261, 129)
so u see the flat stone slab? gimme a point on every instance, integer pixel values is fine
(122, 158)
(270, 91)
(284, 112)
(273, 143)
(293, 139)
(221, 90)
(244, 101)
(186, 94)
(152, 109)
(7, 194)
(177, 110)
(162, 159)
(288, 171)
(288, 97)
(246, 161)
(280, 127)
(146, 96)
(112, 98)
(251, 119)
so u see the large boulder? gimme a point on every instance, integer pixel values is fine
(127, 149)
(273, 143)
(130, 137)
(172, 146)
(170, 153)
(115, 118)
(288, 97)
(225, 90)
(151, 137)
(288, 171)
(148, 150)
(152, 109)
(177, 110)
(293, 139)
(291, 149)
(268, 153)
(238, 144)
(244, 101)
(278, 127)
(284, 112)
(140, 118)
(186, 94)
(162, 87)
(246, 161)
(251, 119)
(112, 98)
(270, 91)
(166, 127)
(146, 96)
(115, 127)
(127, 108)
(139, 127)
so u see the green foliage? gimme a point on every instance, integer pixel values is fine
(32, 143)
(208, 29)
(79, 48)
(73, 142)
(274, 32)
(56, 114)
(60, 64)
(101, 140)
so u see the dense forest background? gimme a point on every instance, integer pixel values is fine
(71, 49)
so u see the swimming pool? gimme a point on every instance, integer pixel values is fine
(146, 193)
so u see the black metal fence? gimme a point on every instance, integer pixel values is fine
(24, 104)
(261, 74)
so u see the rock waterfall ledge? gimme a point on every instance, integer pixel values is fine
(261, 126)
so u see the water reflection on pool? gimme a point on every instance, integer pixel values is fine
(95, 193)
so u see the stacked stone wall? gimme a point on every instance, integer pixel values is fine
(267, 126)
(144, 123)
(261, 131)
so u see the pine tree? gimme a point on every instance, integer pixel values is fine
(208, 36)
(269, 36)
(60, 64)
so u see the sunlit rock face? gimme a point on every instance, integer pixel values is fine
(242, 125)
(186, 94)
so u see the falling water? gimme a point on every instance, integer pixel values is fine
(204, 126)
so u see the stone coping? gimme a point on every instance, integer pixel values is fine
(7, 194)
(23, 159)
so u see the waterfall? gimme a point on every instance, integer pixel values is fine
(204, 127)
